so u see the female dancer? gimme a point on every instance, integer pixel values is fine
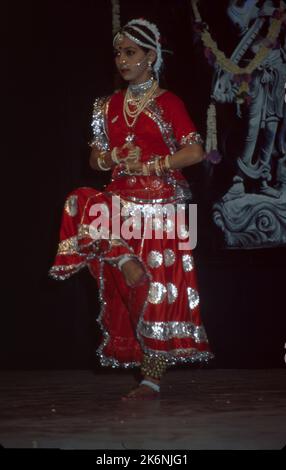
(150, 313)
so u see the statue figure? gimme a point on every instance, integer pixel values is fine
(265, 113)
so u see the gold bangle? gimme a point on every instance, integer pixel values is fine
(114, 155)
(167, 162)
(149, 169)
(101, 162)
(162, 166)
(145, 171)
(152, 169)
(157, 167)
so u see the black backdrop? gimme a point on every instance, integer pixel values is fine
(68, 62)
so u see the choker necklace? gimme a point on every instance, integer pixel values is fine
(141, 88)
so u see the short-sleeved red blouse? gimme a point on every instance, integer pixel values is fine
(162, 128)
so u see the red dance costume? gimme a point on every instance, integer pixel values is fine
(161, 317)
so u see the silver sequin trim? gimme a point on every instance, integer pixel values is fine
(155, 112)
(172, 292)
(68, 246)
(157, 293)
(177, 198)
(169, 257)
(147, 210)
(71, 205)
(155, 259)
(193, 297)
(188, 263)
(98, 124)
(165, 331)
(84, 230)
(191, 138)
(61, 273)
(178, 356)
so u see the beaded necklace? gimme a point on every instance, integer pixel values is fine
(134, 105)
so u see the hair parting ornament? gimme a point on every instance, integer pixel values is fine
(151, 42)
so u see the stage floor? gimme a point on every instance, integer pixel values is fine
(200, 408)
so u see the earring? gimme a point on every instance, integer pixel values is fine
(149, 64)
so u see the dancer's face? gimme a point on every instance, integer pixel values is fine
(132, 61)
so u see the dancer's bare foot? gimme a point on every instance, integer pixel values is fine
(132, 272)
(143, 392)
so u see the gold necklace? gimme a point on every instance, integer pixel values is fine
(139, 104)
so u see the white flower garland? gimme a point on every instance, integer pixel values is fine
(115, 16)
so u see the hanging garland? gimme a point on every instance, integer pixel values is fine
(116, 26)
(241, 75)
(115, 16)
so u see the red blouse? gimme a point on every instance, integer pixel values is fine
(162, 128)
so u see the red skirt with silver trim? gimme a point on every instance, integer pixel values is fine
(161, 316)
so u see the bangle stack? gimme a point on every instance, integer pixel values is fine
(162, 165)
(101, 163)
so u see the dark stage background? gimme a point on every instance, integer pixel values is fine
(49, 324)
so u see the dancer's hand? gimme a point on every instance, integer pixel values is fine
(132, 167)
(129, 152)
(134, 153)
